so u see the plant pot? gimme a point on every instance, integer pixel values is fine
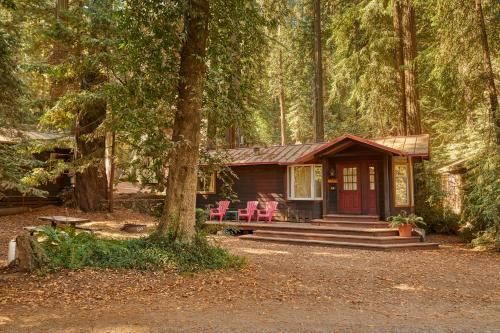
(405, 230)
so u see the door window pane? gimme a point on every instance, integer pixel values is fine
(350, 179)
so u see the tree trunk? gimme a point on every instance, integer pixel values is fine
(59, 53)
(91, 183)
(410, 72)
(282, 102)
(399, 62)
(318, 118)
(29, 254)
(180, 202)
(110, 166)
(488, 71)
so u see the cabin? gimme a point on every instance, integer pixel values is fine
(13, 199)
(349, 175)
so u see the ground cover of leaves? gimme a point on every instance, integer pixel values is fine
(284, 288)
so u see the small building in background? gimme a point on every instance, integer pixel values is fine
(12, 198)
(452, 184)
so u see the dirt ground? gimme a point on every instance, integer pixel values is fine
(284, 288)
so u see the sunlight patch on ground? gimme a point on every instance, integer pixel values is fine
(405, 287)
(261, 251)
(4, 320)
(328, 254)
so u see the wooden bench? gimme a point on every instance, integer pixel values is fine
(33, 229)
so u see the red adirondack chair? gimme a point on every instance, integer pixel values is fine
(220, 211)
(247, 213)
(268, 212)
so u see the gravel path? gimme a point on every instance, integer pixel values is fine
(284, 288)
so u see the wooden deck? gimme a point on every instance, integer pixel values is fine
(358, 236)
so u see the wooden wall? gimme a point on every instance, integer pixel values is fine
(263, 183)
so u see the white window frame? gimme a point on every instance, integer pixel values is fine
(291, 183)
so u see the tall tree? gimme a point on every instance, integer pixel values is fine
(318, 117)
(282, 99)
(489, 77)
(410, 53)
(180, 202)
(399, 62)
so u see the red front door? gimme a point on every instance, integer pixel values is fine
(349, 188)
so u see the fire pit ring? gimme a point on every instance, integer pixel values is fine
(134, 228)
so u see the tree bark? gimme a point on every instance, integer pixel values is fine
(318, 118)
(59, 53)
(91, 183)
(29, 254)
(399, 62)
(410, 70)
(488, 71)
(282, 101)
(180, 202)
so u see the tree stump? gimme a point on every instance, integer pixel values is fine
(29, 254)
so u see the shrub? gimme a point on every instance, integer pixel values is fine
(73, 251)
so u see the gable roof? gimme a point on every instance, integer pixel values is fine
(414, 145)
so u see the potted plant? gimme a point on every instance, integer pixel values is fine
(405, 223)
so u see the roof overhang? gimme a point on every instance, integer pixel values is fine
(344, 142)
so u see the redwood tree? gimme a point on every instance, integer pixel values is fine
(410, 69)
(399, 63)
(488, 71)
(180, 202)
(318, 118)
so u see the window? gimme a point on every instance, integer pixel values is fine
(305, 182)
(401, 185)
(206, 183)
(350, 179)
(371, 177)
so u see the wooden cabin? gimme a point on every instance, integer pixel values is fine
(12, 198)
(348, 175)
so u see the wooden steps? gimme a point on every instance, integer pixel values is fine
(352, 218)
(352, 245)
(351, 224)
(366, 239)
(370, 235)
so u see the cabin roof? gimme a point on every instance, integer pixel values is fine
(11, 136)
(414, 145)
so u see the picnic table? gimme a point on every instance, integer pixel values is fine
(68, 220)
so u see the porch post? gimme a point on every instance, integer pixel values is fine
(387, 190)
(325, 165)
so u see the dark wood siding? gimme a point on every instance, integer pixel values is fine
(263, 183)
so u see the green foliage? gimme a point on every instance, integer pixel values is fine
(201, 218)
(77, 250)
(481, 212)
(16, 166)
(405, 218)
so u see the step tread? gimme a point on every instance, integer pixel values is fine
(346, 244)
(350, 222)
(333, 235)
(352, 215)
